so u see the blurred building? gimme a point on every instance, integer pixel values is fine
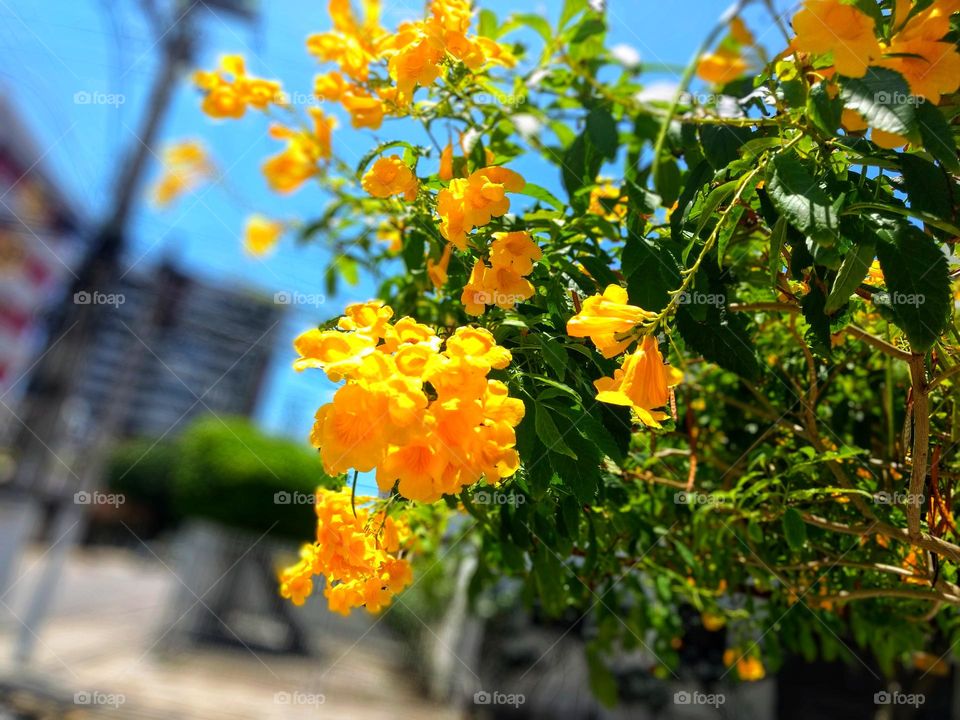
(40, 245)
(198, 349)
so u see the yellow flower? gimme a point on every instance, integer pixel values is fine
(824, 26)
(352, 44)
(446, 163)
(931, 67)
(721, 67)
(603, 317)
(391, 176)
(606, 202)
(514, 250)
(365, 110)
(368, 318)
(330, 86)
(336, 353)
(478, 345)
(471, 202)
(261, 234)
(186, 166)
(506, 287)
(740, 32)
(300, 160)
(437, 272)
(229, 90)
(392, 236)
(643, 383)
(475, 296)
(750, 669)
(355, 550)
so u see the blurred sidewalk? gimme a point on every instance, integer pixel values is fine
(101, 642)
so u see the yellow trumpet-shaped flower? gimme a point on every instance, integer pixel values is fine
(605, 317)
(824, 26)
(643, 383)
(391, 176)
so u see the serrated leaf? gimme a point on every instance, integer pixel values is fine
(548, 432)
(797, 195)
(852, 272)
(542, 194)
(554, 354)
(918, 283)
(927, 186)
(937, 136)
(721, 338)
(883, 98)
(651, 272)
(721, 144)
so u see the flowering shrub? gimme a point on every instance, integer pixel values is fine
(762, 424)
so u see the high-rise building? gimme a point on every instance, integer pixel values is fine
(195, 348)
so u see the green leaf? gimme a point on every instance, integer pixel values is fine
(602, 682)
(721, 144)
(554, 354)
(602, 131)
(580, 165)
(852, 272)
(937, 136)
(571, 8)
(721, 337)
(797, 195)
(883, 98)
(651, 272)
(535, 22)
(813, 307)
(543, 195)
(548, 432)
(667, 180)
(918, 283)
(928, 187)
(794, 529)
(823, 110)
(488, 25)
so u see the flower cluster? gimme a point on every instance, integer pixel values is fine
(391, 176)
(356, 550)
(471, 202)
(229, 91)
(503, 283)
(422, 412)
(915, 49)
(643, 382)
(186, 165)
(415, 55)
(299, 161)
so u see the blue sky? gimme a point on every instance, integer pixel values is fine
(58, 48)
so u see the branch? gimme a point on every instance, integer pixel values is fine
(921, 440)
(881, 345)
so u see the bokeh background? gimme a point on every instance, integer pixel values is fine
(154, 469)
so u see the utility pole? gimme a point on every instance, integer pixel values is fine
(49, 443)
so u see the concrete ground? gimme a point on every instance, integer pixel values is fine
(99, 655)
